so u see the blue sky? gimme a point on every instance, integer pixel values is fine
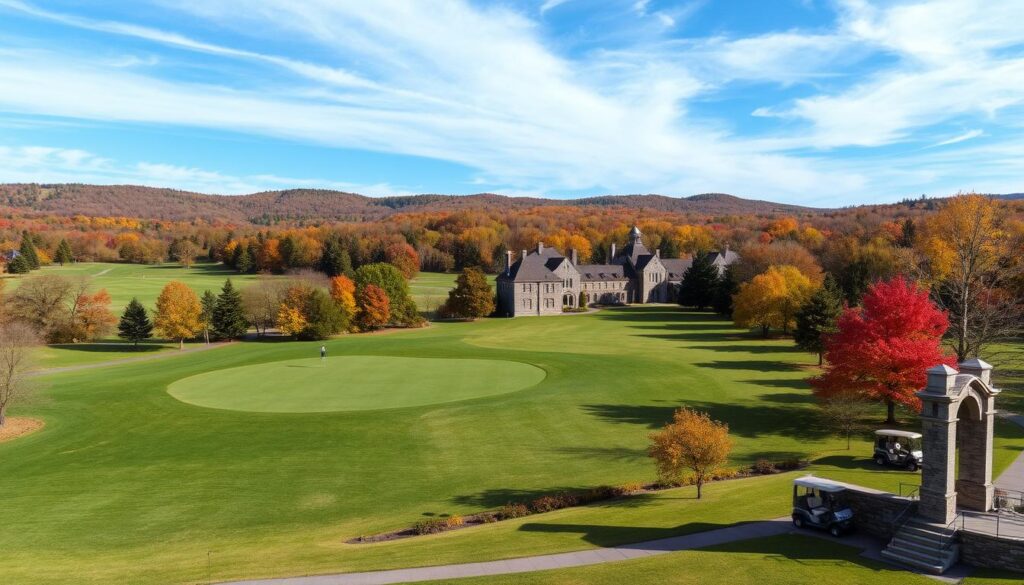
(805, 101)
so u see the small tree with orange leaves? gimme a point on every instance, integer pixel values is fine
(178, 313)
(692, 442)
(374, 308)
(343, 291)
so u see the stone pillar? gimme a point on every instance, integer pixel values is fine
(938, 492)
(977, 428)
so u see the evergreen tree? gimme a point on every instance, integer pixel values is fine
(699, 283)
(229, 320)
(721, 302)
(287, 250)
(472, 296)
(209, 304)
(135, 325)
(63, 255)
(28, 250)
(335, 260)
(818, 318)
(243, 261)
(19, 265)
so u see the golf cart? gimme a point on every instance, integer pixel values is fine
(820, 503)
(899, 449)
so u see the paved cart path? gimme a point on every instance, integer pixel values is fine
(540, 563)
(1013, 477)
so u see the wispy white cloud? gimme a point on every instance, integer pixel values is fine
(961, 138)
(549, 4)
(46, 164)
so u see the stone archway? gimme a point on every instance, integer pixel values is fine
(958, 410)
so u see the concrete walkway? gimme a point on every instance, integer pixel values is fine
(1013, 477)
(540, 563)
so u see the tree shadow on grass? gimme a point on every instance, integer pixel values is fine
(749, 420)
(656, 313)
(785, 397)
(108, 347)
(495, 498)
(605, 453)
(754, 365)
(624, 536)
(747, 348)
(852, 460)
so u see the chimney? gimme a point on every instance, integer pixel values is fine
(726, 251)
(613, 252)
(657, 253)
(979, 369)
(574, 257)
(508, 262)
(523, 255)
(540, 247)
(940, 379)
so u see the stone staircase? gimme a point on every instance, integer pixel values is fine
(924, 546)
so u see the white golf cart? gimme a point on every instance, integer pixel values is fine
(820, 503)
(899, 449)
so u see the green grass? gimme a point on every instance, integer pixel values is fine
(353, 383)
(791, 559)
(80, 354)
(128, 484)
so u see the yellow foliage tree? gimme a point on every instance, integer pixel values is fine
(343, 291)
(692, 442)
(178, 313)
(771, 299)
(291, 315)
(692, 239)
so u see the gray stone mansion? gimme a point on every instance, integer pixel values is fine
(543, 281)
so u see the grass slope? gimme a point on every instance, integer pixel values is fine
(126, 483)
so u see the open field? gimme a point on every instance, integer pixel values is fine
(127, 483)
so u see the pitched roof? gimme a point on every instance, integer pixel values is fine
(676, 267)
(532, 268)
(601, 272)
(643, 261)
(725, 257)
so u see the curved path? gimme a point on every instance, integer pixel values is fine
(540, 563)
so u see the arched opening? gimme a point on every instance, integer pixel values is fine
(567, 300)
(973, 453)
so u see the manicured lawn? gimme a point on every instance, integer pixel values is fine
(764, 561)
(128, 484)
(353, 383)
(78, 354)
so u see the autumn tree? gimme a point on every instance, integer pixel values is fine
(135, 325)
(183, 251)
(700, 279)
(90, 316)
(692, 442)
(968, 262)
(882, 349)
(208, 302)
(229, 320)
(844, 413)
(472, 296)
(178, 313)
(18, 342)
(386, 277)
(63, 255)
(817, 318)
(261, 302)
(291, 316)
(403, 257)
(42, 302)
(374, 307)
(755, 259)
(772, 299)
(343, 290)
(323, 316)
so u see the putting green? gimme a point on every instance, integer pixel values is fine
(353, 383)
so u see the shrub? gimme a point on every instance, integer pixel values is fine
(764, 467)
(487, 517)
(724, 473)
(453, 521)
(626, 489)
(790, 464)
(513, 510)
(430, 526)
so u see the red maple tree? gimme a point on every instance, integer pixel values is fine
(882, 349)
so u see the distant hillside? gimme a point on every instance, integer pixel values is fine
(312, 204)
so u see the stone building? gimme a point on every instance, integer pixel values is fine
(543, 281)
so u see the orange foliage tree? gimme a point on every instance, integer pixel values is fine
(403, 257)
(90, 315)
(178, 313)
(692, 442)
(374, 308)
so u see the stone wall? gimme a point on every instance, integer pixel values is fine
(983, 550)
(876, 512)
